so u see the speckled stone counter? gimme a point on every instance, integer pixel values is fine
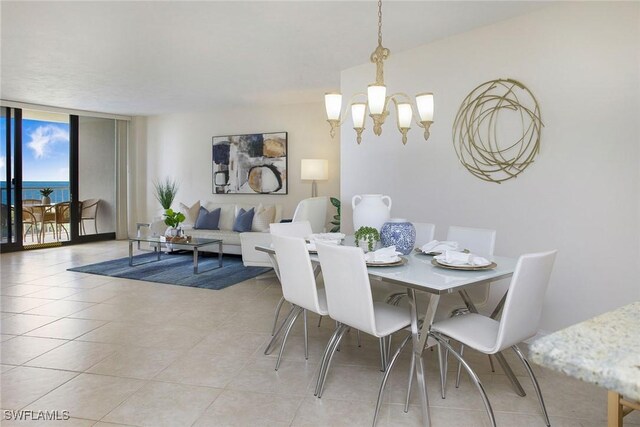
(604, 351)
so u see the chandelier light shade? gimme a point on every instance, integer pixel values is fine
(378, 102)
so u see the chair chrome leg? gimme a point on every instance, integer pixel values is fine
(328, 363)
(306, 335)
(472, 374)
(319, 321)
(277, 314)
(383, 355)
(411, 369)
(358, 338)
(325, 354)
(274, 339)
(386, 377)
(443, 371)
(459, 366)
(493, 369)
(534, 380)
(286, 334)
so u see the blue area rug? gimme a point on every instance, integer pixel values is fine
(177, 269)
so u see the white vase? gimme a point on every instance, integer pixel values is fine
(370, 211)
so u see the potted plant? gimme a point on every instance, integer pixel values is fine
(173, 220)
(336, 218)
(166, 192)
(366, 238)
(46, 192)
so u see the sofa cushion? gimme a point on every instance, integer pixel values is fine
(244, 220)
(227, 214)
(228, 237)
(208, 220)
(264, 216)
(190, 213)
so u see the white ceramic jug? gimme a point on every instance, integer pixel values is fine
(371, 211)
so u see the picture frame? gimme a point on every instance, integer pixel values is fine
(253, 163)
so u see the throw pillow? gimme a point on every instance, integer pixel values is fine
(263, 217)
(244, 220)
(191, 213)
(208, 220)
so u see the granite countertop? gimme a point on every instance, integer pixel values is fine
(604, 351)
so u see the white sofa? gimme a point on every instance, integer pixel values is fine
(313, 210)
(231, 243)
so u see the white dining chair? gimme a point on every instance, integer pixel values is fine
(300, 229)
(520, 319)
(313, 210)
(298, 286)
(350, 303)
(424, 233)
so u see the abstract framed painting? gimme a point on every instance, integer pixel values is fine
(250, 164)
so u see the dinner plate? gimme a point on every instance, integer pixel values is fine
(463, 267)
(402, 261)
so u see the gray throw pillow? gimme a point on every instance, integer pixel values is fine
(208, 220)
(243, 221)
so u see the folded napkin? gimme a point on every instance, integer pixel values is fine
(335, 238)
(388, 254)
(436, 246)
(462, 259)
(312, 247)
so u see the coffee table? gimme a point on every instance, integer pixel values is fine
(194, 244)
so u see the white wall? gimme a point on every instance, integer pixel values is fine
(179, 146)
(581, 196)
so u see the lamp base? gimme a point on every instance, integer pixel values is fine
(314, 188)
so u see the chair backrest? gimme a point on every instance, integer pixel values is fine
(301, 229)
(296, 272)
(62, 211)
(28, 216)
(523, 306)
(479, 241)
(347, 286)
(89, 208)
(313, 210)
(424, 232)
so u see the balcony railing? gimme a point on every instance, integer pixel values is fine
(60, 194)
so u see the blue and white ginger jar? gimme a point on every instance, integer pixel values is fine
(398, 232)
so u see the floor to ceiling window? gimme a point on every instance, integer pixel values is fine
(58, 178)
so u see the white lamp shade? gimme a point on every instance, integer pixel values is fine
(358, 111)
(405, 113)
(424, 101)
(333, 104)
(314, 169)
(377, 96)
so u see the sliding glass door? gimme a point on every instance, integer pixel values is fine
(58, 179)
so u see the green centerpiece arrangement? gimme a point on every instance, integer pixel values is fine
(367, 236)
(166, 192)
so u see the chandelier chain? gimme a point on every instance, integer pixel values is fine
(380, 22)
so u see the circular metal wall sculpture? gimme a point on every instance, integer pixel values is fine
(479, 139)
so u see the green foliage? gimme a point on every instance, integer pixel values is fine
(369, 234)
(336, 218)
(166, 192)
(173, 219)
(46, 192)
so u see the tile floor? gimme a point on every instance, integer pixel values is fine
(118, 352)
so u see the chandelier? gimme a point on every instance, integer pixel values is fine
(378, 102)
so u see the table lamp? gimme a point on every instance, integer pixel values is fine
(314, 170)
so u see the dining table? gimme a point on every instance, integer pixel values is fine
(420, 274)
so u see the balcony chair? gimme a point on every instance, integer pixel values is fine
(519, 322)
(89, 212)
(63, 216)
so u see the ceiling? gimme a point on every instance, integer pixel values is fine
(145, 58)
